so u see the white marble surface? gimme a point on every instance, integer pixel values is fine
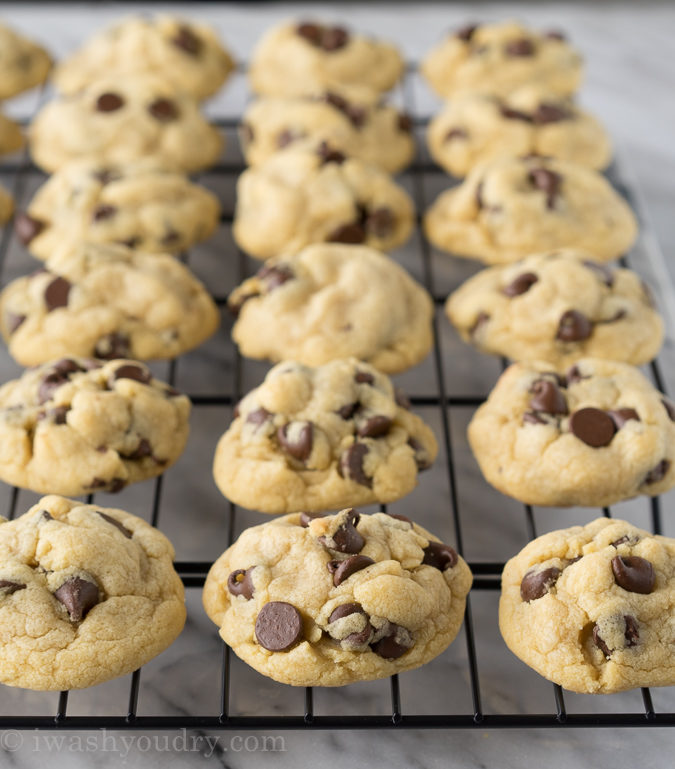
(631, 78)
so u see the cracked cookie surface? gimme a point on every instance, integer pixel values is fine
(477, 127)
(78, 425)
(106, 301)
(139, 205)
(498, 58)
(87, 594)
(23, 63)
(593, 437)
(292, 58)
(510, 208)
(321, 439)
(591, 607)
(187, 54)
(312, 193)
(120, 121)
(333, 301)
(558, 307)
(327, 601)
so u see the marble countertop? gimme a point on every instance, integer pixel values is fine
(630, 84)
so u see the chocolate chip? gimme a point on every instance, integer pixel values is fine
(128, 534)
(401, 399)
(346, 538)
(131, 371)
(394, 644)
(520, 47)
(56, 294)
(297, 438)
(278, 626)
(14, 321)
(481, 319)
(113, 345)
(240, 583)
(346, 609)
(439, 556)
(114, 485)
(27, 227)
(287, 137)
(455, 133)
(400, 517)
(259, 416)
(520, 284)
(380, 222)
(622, 540)
(363, 377)
(670, 408)
(633, 573)
(374, 427)
(78, 596)
(105, 176)
(144, 449)
(350, 566)
(550, 113)
(109, 102)
(163, 110)
(466, 33)
(529, 417)
(7, 586)
(514, 114)
(311, 32)
(592, 426)
(632, 632)
(103, 212)
(347, 233)
(275, 275)
(351, 464)
(658, 473)
(58, 414)
(535, 584)
(356, 115)
(597, 640)
(574, 326)
(547, 181)
(405, 123)
(186, 40)
(334, 38)
(57, 376)
(329, 155)
(422, 458)
(574, 375)
(348, 410)
(547, 397)
(621, 416)
(305, 518)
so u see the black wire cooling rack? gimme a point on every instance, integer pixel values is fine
(193, 572)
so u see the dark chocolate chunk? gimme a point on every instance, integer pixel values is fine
(401, 399)
(547, 397)
(633, 573)
(58, 414)
(311, 32)
(278, 626)
(535, 584)
(574, 326)
(374, 427)
(521, 284)
(594, 427)
(7, 586)
(440, 556)
(114, 485)
(348, 410)
(27, 227)
(187, 40)
(621, 416)
(127, 533)
(346, 538)
(297, 438)
(240, 583)
(109, 102)
(394, 644)
(405, 123)
(351, 464)
(163, 110)
(352, 232)
(350, 566)
(78, 596)
(131, 371)
(334, 38)
(56, 294)
(658, 473)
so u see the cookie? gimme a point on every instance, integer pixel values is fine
(593, 437)
(23, 63)
(105, 302)
(6, 205)
(11, 138)
(188, 55)
(327, 601)
(87, 594)
(591, 607)
(77, 425)
(312, 193)
(322, 439)
(477, 127)
(375, 133)
(510, 208)
(293, 58)
(138, 205)
(558, 307)
(333, 301)
(499, 58)
(115, 121)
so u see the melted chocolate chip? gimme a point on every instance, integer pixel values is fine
(187, 41)
(78, 596)
(520, 285)
(351, 464)
(574, 375)
(535, 584)
(7, 586)
(329, 155)
(346, 538)
(114, 485)
(278, 626)
(594, 427)
(374, 427)
(240, 583)
(259, 416)
(13, 321)
(658, 473)
(113, 345)
(348, 410)
(163, 110)
(394, 644)
(440, 556)
(127, 533)
(297, 438)
(131, 371)
(404, 123)
(633, 573)
(356, 115)
(550, 113)
(109, 102)
(56, 294)
(574, 326)
(144, 449)
(514, 114)
(621, 416)
(520, 47)
(57, 414)
(547, 397)
(27, 227)
(363, 377)
(548, 182)
(334, 38)
(349, 566)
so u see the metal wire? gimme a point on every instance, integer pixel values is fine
(486, 574)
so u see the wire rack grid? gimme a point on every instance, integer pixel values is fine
(446, 389)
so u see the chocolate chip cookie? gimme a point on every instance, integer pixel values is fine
(333, 301)
(478, 127)
(188, 55)
(499, 58)
(330, 600)
(87, 594)
(23, 63)
(591, 607)
(138, 205)
(11, 138)
(321, 439)
(558, 307)
(78, 425)
(312, 193)
(292, 58)
(105, 301)
(510, 208)
(594, 436)
(375, 133)
(115, 121)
